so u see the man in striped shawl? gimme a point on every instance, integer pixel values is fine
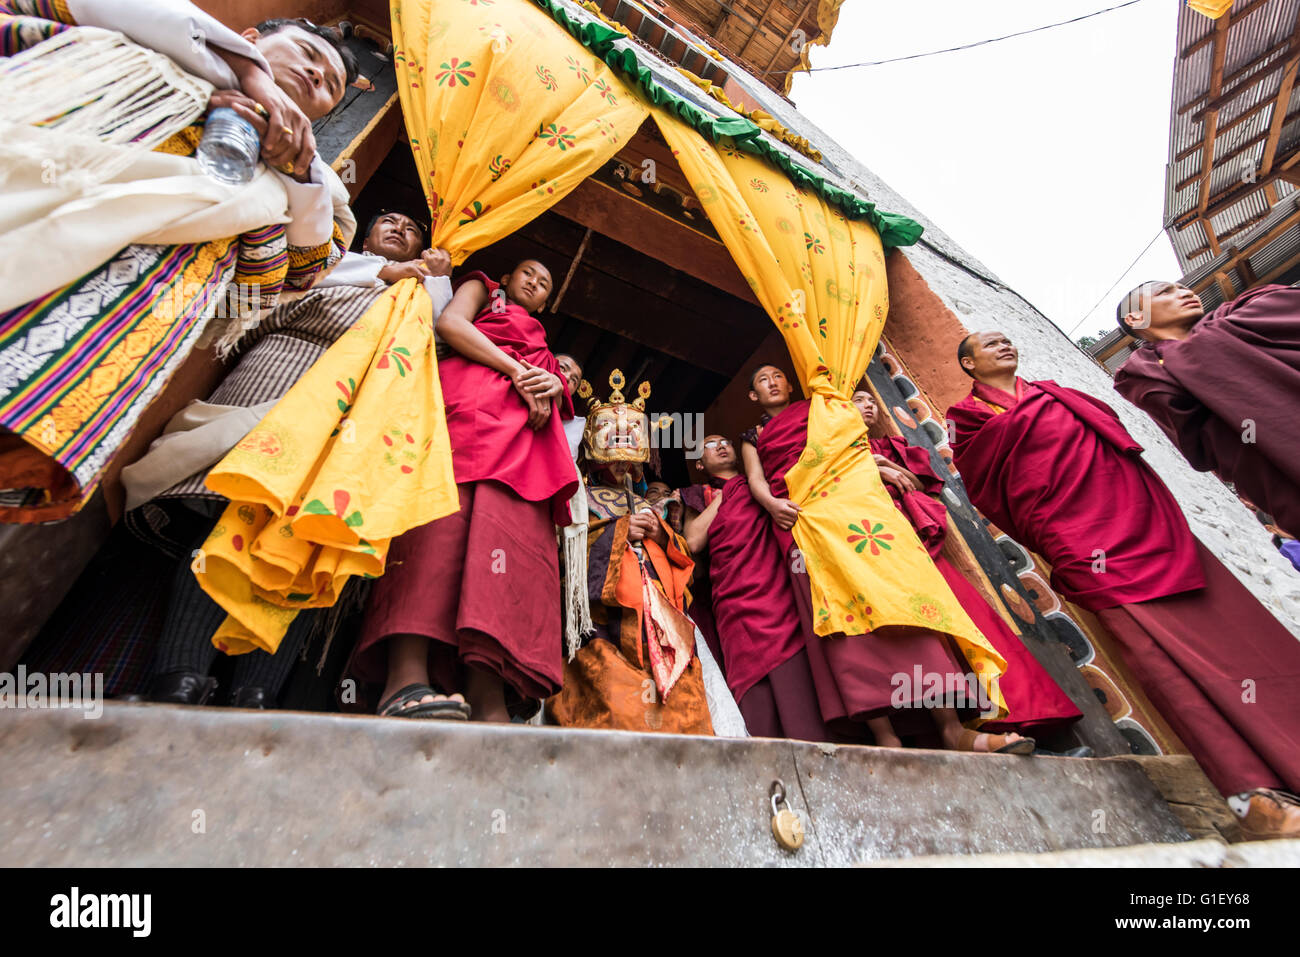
(170, 506)
(109, 621)
(90, 336)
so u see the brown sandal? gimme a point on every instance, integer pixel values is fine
(998, 743)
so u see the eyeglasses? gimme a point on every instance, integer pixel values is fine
(717, 443)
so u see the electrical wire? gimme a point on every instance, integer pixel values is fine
(1117, 281)
(967, 46)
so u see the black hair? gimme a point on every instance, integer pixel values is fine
(330, 35)
(759, 368)
(964, 352)
(424, 230)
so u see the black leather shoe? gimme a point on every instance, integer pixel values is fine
(249, 697)
(182, 687)
(1083, 751)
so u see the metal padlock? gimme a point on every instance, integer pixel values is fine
(786, 826)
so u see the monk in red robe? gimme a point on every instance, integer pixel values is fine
(1225, 387)
(1055, 470)
(470, 603)
(1035, 703)
(855, 676)
(754, 611)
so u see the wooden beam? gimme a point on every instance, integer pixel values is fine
(1280, 117)
(1212, 118)
(1234, 196)
(1211, 238)
(1245, 147)
(1225, 285)
(1237, 17)
(1226, 127)
(619, 216)
(573, 267)
(1247, 273)
(782, 45)
(758, 26)
(1278, 270)
(1255, 246)
(1287, 48)
(359, 160)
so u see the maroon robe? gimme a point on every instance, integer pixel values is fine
(1238, 365)
(696, 498)
(757, 620)
(754, 616)
(854, 675)
(1061, 476)
(483, 584)
(1034, 701)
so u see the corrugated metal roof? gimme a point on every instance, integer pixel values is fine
(1257, 45)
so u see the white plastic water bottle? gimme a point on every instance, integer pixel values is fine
(229, 148)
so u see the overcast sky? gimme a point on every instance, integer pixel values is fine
(1043, 156)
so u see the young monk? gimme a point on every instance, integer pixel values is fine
(470, 603)
(1035, 703)
(1223, 387)
(752, 599)
(1055, 469)
(854, 675)
(571, 370)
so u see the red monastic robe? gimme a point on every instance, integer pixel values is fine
(854, 675)
(1034, 701)
(753, 604)
(488, 421)
(772, 680)
(1054, 469)
(1227, 396)
(1062, 476)
(483, 585)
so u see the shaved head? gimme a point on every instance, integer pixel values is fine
(963, 352)
(985, 355)
(1137, 301)
(1159, 309)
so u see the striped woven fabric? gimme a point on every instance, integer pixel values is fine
(24, 23)
(279, 351)
(79, 365)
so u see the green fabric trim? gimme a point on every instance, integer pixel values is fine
(894, 228)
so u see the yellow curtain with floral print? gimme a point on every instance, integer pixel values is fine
(356, 453)
(821, 277)
(506, 113)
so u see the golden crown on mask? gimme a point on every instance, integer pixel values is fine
(618, 430)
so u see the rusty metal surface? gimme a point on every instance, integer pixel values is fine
(285, 788)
